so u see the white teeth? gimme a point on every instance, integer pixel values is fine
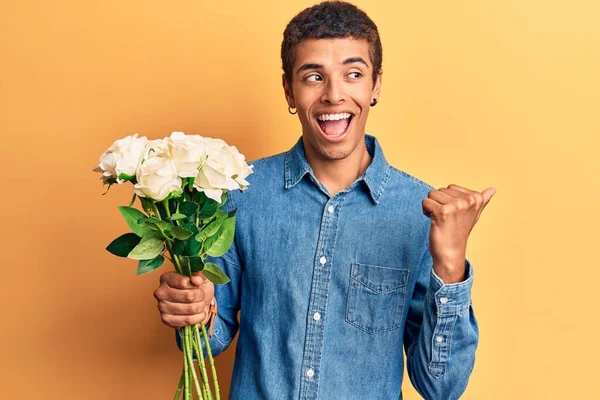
(333, 117)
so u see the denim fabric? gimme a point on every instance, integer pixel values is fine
(332, 289)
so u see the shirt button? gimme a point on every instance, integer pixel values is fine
(323, 260)
(443, 300)
(310, 373)
(316, 316)
(330, 209)
(439, 339)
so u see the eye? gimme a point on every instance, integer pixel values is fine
(357, 73)
(311, 75)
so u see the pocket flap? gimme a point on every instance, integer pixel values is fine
(379, 279)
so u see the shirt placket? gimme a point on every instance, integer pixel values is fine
(315, 327)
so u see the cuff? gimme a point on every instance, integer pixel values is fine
(451, 298)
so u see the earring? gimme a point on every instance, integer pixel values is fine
(374, 102)
(290, 110)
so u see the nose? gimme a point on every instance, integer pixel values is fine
(333, 92)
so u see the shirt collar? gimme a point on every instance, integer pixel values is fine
(375, 176)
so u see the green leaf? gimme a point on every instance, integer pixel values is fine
(223, 197)
(178, 216)
(222, 241)
(209, 209)
(152, 234)
(179, 247)
(187, 196)
(145, 266)
(180, 233)
(194, 263)
(147, 250)
(212, 227)
(122, 245)
(132, 215)
(188, 208)
(146, 204)
(158, 225)
(214, 274)
(193, 246)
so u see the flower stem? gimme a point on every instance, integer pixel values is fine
(213, 370)
(186, 373)
(178, 392)
(201, 365)
(188, 353)
(165, 203)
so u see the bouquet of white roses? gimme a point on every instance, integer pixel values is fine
(181, 181)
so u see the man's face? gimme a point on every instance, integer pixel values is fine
(332, 88)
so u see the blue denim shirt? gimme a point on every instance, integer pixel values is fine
(332, 289)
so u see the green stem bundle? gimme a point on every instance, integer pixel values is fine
(190, 343)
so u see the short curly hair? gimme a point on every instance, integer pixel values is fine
(328, 20)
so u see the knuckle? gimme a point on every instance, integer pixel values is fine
(166, 276)
(446, 210)
(166, 319)
(472, 200)
(192, 309)
(478, 198)
(189, 296)
(159, 294)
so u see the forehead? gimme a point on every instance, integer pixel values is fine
(331, 51)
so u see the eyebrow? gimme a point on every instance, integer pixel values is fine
(350, 60)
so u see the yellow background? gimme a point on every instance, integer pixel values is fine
(477, 93)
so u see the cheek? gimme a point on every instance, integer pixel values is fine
(361, 95)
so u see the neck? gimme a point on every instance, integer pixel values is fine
(337, 175)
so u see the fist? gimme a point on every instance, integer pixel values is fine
(453, 211)
(183, 300)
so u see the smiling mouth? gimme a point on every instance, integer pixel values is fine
(335, 128)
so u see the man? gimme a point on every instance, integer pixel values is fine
(340, 260)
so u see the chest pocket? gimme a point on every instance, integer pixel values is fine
(376, 297)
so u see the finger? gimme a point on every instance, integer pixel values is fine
(198, 278)
(167, 293)
(456, 193)
(175, 280)
(459, 188)
(487, 195)
(201, 307)
(430, 207)
(179, 321)
(440, 197)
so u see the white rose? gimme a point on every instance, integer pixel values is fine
(157, 178)
(241, 168)
(122, 159)
(157, 148)
(188, 152)
(225, 169)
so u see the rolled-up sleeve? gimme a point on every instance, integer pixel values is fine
(441, 333)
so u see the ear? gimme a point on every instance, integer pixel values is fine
(287, 90)
(377, 86)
